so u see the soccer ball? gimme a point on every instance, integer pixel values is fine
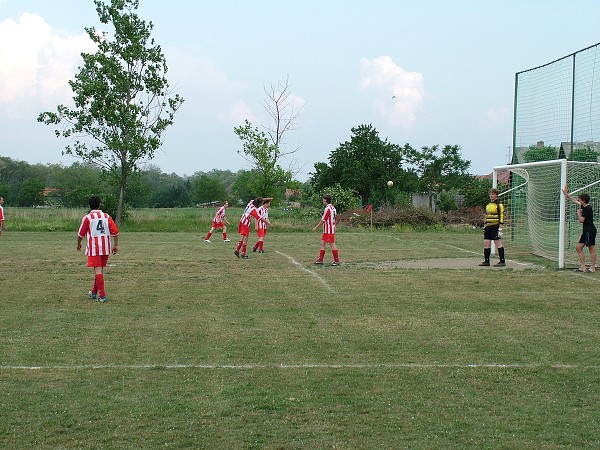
(390, 183)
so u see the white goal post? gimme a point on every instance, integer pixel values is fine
(536, 211)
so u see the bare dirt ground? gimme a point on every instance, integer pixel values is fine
(444, 263)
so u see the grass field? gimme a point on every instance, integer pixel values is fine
(199, 349)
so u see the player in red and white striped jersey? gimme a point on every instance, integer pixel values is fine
(328, 220)
(219, 221)
(244, 225)
(97, 227)
(261, 227)
(2, 226)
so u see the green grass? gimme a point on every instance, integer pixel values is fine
(154, 219)
(199, 349)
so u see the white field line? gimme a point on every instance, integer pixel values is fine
(524, 366)
(589, 276)
(511, 260)
(314, 274)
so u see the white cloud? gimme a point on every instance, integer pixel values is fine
(36, 65)
(398, 95)
(494, 118)
(202, 82)
(239, 111)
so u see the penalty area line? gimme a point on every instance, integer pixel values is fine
(302, 366)
(510, 260)
(314, 274)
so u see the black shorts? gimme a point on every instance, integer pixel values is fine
(588, 238)
(491, 233)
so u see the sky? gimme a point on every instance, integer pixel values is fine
(422, 72)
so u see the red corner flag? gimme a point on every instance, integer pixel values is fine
(370, 207)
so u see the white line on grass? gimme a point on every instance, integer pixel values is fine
(527, 264)
(589, 276)
(510, 260)
(314, 274)
(305, 366)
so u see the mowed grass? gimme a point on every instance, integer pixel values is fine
(199, 349)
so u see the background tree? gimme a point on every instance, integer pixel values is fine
(171, 191)
(284, 113)
(31, 193)
(476, 192)
(537, 153)
(584, 154)
(265, 150)
(225, 177)
(342, 198)
(439, 170)
(122, 101)
(245, 188)
(364, 164)
(206, 189)
(264, 156)
(21, 176)
(76, 184)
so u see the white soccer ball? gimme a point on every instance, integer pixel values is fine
(390, 183)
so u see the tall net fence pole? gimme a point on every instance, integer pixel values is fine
(557, 109)
(556, 118)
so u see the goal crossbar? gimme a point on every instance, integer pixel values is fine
(537, 213)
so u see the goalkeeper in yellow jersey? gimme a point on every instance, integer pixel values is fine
(492, 229)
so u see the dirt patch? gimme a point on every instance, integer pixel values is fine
(442, 263)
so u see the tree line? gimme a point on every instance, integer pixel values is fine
(356, 173)
(31, 185)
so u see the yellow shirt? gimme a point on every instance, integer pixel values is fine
(494, 214)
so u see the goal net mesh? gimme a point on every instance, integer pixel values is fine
(532, 196)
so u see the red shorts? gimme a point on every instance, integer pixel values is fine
(261, 232)
(328, 237)
(97, 261)
(218, 224)
(244, 230)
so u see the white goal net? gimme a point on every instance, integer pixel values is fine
(536, 211)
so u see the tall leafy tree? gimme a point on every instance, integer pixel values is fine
(16, 175)
(438, 169)
(364, 164)
(206, 189)
(122, 100)
(265, 150)
(244, 186)
(31, 193)
(264, 156)
(284, 113)
(75, 184)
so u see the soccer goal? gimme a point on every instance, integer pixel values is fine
(536, 211)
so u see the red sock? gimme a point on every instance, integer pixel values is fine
(336, 256)
(243, 249)
(321, 255)
(224, 236)
(256, 245)
(95, 288)
(208, 235)
(261, 244)
(239, 245)
(100, 285)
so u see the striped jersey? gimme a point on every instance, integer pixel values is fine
(329, 219)
(264, 213)
(249, 212)
(220, 215)
(494, 214)
(97, 227)
(1, 213)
